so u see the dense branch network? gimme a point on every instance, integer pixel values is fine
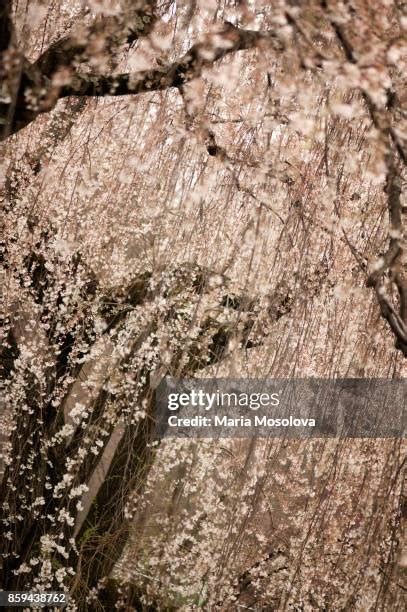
(138, 323)
(130, 318)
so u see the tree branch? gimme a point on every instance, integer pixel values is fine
(31, 100)
(390, 262)
(200, 56)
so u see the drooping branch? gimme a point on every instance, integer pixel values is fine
(43, 93)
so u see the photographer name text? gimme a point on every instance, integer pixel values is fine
(225, 421)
